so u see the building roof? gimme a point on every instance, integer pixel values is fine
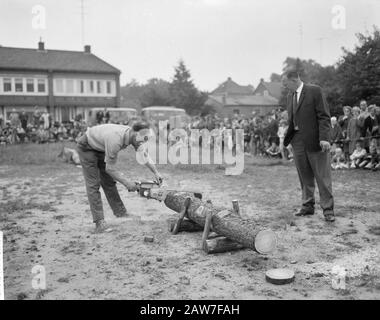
(245, 100)
(274, 88)
(54, 60)
(230, 87)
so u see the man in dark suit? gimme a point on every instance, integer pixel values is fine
(309, 136)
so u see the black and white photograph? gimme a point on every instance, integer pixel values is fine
(204, 152)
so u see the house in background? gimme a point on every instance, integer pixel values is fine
(63, 83)
(231, 98)
(273, 89)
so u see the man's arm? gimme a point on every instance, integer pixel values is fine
(323, 115)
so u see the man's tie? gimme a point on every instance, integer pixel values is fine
(295, 102)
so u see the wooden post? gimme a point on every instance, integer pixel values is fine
(182, 214)
(207, 227)
(236, 207)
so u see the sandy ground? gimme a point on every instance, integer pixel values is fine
(46, 221)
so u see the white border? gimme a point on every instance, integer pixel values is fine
(1, 268)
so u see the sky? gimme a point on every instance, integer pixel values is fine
(243, 39)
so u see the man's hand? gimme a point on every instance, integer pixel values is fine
(130, 186)
(159, 179)
(325, 145)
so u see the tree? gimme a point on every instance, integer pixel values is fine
(183, 92)
(359, 71)
(275, 77)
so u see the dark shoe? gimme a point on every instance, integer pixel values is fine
(123, 214)
(305, 211)
(329, 215)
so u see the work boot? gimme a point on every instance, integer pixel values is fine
(122, 214)
(100, 226)
(329, 215)
(305, 211)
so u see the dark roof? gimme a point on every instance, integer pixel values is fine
(230, 87)
(245, 100)
(55, 60)
(274, 88)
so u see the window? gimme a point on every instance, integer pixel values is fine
(41, 85)
(98, 87)
(91, 83)
(30, 85)
(69, 86)
(109, 87)
(81, 86)
(7, 84)
(18, 85)
(59, 85)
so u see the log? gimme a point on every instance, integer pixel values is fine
(185, 226)
(225, 222)
(221, 244)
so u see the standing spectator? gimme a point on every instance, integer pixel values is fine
(336, 131)
(46, 122)
(24, 119)
(371, 123)
(15, 124)
(36, 116)
(1, 121)
(343, 122)
(353, 129)
(281, 135)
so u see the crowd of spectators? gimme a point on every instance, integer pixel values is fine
(355, 138)
(38, 128)
(355, 135)
(263, 134)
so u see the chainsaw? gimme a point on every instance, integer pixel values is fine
(153, 190)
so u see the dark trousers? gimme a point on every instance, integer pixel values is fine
(95, 175)
(311, 167)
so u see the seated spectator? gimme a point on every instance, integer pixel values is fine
(375, 159)
(273, 151)
(42, 135)
(372, 158)
(338, 160)
(358, 156)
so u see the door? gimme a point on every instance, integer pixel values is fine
(65, 114)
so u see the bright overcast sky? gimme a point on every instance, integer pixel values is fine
(244, 39)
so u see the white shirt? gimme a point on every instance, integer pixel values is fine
(299, 90)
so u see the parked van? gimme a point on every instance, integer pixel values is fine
(116, 115)
(177, 117)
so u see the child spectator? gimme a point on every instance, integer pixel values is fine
(372, 158)
(273, 151)
(358, 155)
(338, 160)
(281, 135)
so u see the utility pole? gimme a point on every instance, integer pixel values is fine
(321, 49)
(300, 30)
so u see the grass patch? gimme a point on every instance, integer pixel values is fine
(16, 206)
(39, 154)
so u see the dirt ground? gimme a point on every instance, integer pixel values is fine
(46, 221)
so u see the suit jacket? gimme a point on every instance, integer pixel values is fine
(312, 117)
